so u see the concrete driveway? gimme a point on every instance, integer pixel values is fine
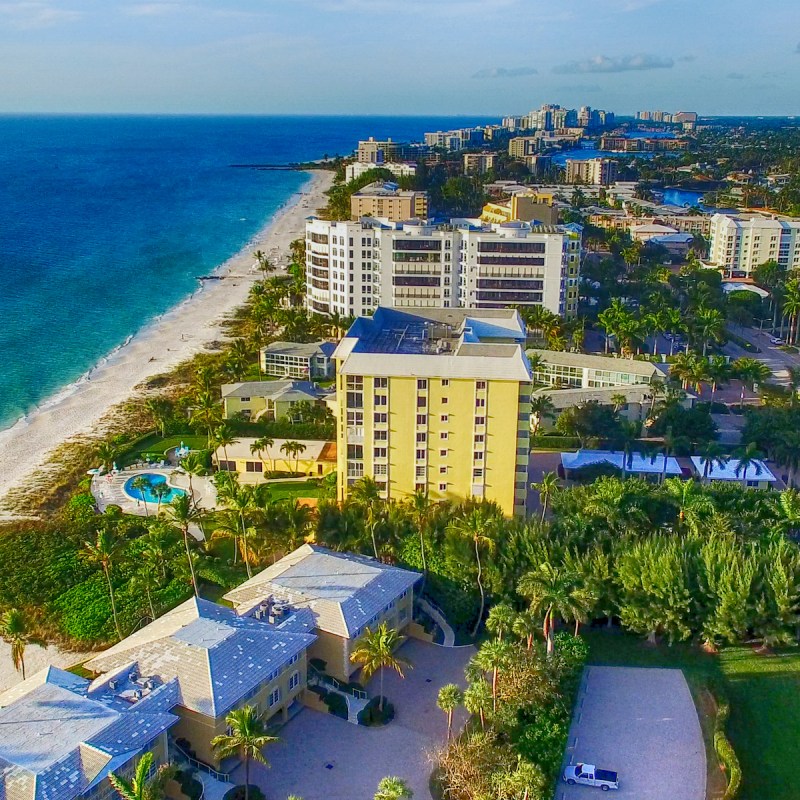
(641, 723)
(322, 757)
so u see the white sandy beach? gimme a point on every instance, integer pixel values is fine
(176, 336)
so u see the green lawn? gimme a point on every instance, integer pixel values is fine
(281, 491)
(157, 444)
(764, 691)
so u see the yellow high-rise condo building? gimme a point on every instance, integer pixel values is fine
(435, 400)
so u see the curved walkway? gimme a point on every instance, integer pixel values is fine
(438, 618)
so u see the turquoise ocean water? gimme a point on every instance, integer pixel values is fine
(106, 222)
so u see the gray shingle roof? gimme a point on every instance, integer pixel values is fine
(289, 391)
(217, 657)
(308, 349)
(60, 734)
(343, 591)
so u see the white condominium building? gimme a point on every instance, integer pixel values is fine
(595, 171)
(740, 242)
(397, 168)
(354, 267)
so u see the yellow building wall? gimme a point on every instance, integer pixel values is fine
(199, 729)
(234, 405)
(282, 463)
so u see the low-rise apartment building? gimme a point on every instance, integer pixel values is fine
(354, 267)
(303, 360)
(62, 734)
(388, 201)
(436, 401)
(398, 168)
(314, 458)
(741, 242)
(343, 594)
(219, 661)
(267, 400)
(521, 207)
(616, 219)
(561, 369)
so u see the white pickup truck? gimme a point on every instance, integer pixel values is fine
(589, 775)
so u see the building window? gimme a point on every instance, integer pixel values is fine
(419, 472)
(422, 385)
(443, 454)
(477, 473)
(381, 436)
(443, 470)
(422, 419)
(480, 384)
(422, 438)
(480, 420)
(274, 697)
(478, 455)
(381, 469)
(480, 402)
(420, 455)
(445, 381)
(445, 417)
(381, 400)
(355, 452)
(227, 466)
(254, 466)
(479, 438)
(379, 452)
(419, 487)
(442, 487)
(294, 680)
(443, 435)
(380, 383)
(381, 418)
(444, 401)
(422, 401)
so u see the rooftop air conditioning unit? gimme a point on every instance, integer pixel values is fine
(112, 685)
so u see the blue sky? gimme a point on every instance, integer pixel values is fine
(488, 57)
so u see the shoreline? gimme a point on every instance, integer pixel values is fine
(158, 346)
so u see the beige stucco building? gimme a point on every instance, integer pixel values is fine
(388, 201)
(346, 594)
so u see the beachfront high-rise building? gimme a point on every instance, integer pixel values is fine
(594, 171)
(374, 151)
(354, 267)
(436, 401)
(388, 201)
(398, 168)
(524, 146)
(740, 242)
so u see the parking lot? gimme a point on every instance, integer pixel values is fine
(642, 724)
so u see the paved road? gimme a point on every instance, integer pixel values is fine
(777, 360)
(642, 723)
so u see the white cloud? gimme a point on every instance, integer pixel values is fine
(30, 14)
(632, 63)
(505, 72)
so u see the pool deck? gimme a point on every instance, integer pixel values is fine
(110, 490)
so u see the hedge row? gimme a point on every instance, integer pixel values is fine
(725, 751)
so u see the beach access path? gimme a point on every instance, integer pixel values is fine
(176, 336)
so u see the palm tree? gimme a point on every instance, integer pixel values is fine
(713, 454)
(260, 445)
(141, 786)
(392, 788)
(541, 408)
(247, 739)
(102, 551)
(194, 466)
(710, 324)
(719, 371)
(108, 453)
(420, 507)
(618, 401)
(554, 592)
(375, 652)
(298, 520)
(748, 457)
(478, 526)
(241, 501)
(142, 485)
(14, 632)
(160, 409)
(366, 493)
(492, 657)
(525, 627)
(694, 505)
(478, 699)
(794, 385)
(183, 513)
(500, 620)
(449, 699)
(293, 449)
(206, 414)
(145, 580)
(160, 490)
(547, 487)
(791, 308)
(750, 371)
(223, 436)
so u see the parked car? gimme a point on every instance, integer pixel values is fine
(775, 340)
(590, 775)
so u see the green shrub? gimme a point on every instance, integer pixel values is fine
(85, 611)
(371, 714)
(555, 442)
(80, 508)
(337, 705)
(190, 786)
(237, 793)
(725, 751)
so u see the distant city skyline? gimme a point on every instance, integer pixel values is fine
(460, 57)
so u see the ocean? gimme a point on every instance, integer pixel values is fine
(106, 222)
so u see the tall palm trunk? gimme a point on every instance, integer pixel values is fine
(189, 557)
(480, 589)
(113, 600)
(247, 776)
(374, 540)
(494, 689)
(150, 602)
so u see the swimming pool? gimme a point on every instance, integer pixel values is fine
(146, 494)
